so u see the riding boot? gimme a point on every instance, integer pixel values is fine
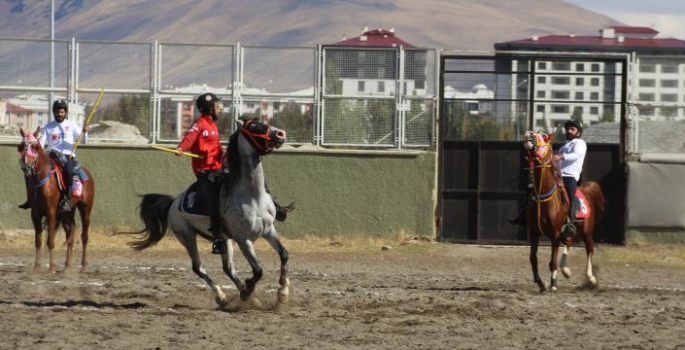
(219, 243)
(569, 229)
(281, 211)
(520, 220)
(25, 205)
(65, 204)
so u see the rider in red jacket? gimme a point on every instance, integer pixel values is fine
(202, 138)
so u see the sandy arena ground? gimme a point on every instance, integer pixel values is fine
(346, 294)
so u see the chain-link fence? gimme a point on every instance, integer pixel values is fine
(333, 96)
(657, 105)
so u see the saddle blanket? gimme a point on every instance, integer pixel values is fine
(193, 202)
(582, 205)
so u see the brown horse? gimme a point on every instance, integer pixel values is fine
(44, 196)
(547, 212)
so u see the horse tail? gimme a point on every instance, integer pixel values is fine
(592, 190)
(154, 211)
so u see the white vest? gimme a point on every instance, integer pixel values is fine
(60, 136)
(574, 156)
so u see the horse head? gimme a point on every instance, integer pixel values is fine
(30, 150)
(263, 137)
(538, 145)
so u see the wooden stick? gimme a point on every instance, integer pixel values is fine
(166, 149)
(92, 112)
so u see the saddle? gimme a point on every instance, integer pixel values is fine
(194, 203)
(77, 182)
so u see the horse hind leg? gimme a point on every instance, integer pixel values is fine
(589, 250)
(84, 211)
(191, 247)
(69, 226)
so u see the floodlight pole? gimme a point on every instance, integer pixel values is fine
(52, 55)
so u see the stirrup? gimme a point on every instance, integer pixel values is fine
(219, 246)
(65, 205)
(282, 212)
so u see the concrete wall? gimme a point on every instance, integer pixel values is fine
(336, 193)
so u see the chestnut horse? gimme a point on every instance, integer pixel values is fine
(44, 197)
(547, 212)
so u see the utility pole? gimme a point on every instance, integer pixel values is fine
(52, 56)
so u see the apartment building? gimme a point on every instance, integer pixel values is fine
(590, 87)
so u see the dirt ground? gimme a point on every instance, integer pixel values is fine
(346, 294)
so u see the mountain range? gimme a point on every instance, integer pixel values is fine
(451, 25)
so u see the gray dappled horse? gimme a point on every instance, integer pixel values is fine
(247, 210)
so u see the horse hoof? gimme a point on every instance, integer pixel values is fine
(283, 294)
(566, 272)
(222, 301)
(592, 282)
(553, 289)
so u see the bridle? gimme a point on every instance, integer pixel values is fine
(540, 157)
(29, 155)
(261, 136)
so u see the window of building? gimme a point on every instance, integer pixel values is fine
(594, 110)
(668, 112)
(669, 68)
(645, 97)
(540, 108)
(381, 86)
(594, 82)
(579, 95)
(646, 111)
(594, 96)
(542, 65)
(669, 97)
(561, 95)
(561, 80)
(595, 67)
(669, 83)
(541, 94)
(277, 106)
(560, 109)
(580, 81)
(565, 66)
(647, 83)
(542, 80)
(361, 86)
(647, 68)
(381, 72)
(580, 67)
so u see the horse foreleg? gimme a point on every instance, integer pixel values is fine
(227, 263)
(284, 291)
(38, 238)
(565, 270)
(534, 241)
(553, 265)
(85, 225)
(52, 232)
(250, 283)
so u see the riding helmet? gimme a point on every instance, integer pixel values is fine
(60, 104)
(576, 124)
(205, 102)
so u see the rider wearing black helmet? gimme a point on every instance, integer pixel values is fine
(571, 155)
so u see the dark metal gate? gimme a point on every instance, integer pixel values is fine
(488, 102)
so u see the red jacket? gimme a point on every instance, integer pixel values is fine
(202, 138)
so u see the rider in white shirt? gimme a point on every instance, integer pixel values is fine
(571, 155)
(58, 137)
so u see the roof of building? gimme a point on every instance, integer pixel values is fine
(12, 108)
(634, 30)
(594, 43)
(375, 38)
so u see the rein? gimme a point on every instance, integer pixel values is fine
(253, 138)
(539, 197)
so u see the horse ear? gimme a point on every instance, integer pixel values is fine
(239, 122)
(37, 132)
(21, 131)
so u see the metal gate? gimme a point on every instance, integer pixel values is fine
(488, 102)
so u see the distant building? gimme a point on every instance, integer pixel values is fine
(31, 111)
(366, 65)
(656, 73)
(478, 101)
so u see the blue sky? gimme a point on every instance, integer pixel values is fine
(666, 16)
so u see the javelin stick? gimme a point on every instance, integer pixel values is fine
(92, 112)
(171, 150)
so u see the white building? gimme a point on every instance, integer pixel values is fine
(656, 75)
(31, 111)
